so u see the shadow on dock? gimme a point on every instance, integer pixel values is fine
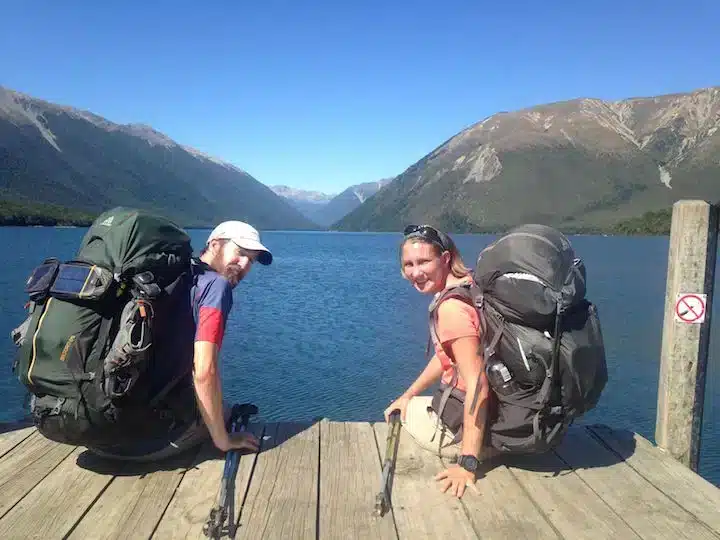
(574, 453)
(15, 425)
(269, 434)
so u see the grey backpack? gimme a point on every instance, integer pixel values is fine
(543, 345)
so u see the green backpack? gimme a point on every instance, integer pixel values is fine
(97, 323)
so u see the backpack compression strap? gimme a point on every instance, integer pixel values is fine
(554, 374)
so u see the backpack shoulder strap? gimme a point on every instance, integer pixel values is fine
(462, 292)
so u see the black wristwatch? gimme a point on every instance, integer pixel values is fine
(469, 463)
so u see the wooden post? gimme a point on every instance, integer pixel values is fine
(686, 329)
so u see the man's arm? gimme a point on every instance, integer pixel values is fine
(214, 304)
(208, 389)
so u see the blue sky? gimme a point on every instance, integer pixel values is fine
(322, 95)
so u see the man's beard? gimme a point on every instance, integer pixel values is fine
(234, 274)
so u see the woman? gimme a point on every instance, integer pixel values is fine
(433, 265)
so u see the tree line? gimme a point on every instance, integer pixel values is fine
(15, 213)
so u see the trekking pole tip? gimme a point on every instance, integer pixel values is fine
(380, 505)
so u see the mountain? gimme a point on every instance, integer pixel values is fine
(302, 194)
(59, 155)
(582, 164)
(309, 203)
(325, 209)
(348, 200)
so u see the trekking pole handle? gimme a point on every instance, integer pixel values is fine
(239, 420)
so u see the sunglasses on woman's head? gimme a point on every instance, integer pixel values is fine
(427, 232)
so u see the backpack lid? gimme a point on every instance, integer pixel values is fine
(532, 249)
(528, 272)
(127, 241)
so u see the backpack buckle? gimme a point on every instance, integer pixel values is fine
(58, 406)
(145, 284)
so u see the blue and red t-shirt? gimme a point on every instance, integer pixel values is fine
(200, 317)
(212, 299)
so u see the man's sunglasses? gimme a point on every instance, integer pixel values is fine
(427, 232)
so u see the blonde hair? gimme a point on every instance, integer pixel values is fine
(457, 266)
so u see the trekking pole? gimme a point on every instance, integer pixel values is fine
(382, 499)
(224, 508)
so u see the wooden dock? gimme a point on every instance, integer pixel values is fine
(319, 480)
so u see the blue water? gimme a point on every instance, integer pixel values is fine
(331, 329)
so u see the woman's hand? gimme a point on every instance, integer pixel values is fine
(456, 479)
(432, 372)
(400, 403)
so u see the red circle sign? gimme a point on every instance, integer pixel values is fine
(690, 307)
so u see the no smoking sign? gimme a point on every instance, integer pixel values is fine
(690, 308)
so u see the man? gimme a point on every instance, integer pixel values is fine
(228, 256)
(232, 248)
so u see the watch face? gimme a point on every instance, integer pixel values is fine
(469, 463)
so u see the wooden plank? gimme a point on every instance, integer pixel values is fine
(10, 439)
(350, 474)
(133, 503)
(653, 515)
(197, 493)
(421, 510)
(61, 498)
(498, 507)
(675, 480)
(570, 505)
(26, 465)
(282, 497)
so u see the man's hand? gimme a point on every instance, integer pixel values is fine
(243, 440)
(456, 479)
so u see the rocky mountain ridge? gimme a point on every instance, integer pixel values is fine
(577, 163)
(61, 155)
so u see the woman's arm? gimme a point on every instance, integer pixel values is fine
(469, 362)
(471, 366)
(432, 372)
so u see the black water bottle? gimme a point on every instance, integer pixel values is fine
(500, 378)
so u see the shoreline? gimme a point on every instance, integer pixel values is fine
(333, 231)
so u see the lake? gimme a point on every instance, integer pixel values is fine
(331, 329)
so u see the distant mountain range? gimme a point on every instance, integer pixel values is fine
(60, 155)
(583, 164)
(325, 209)
(309, 203)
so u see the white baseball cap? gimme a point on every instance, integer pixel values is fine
(244, 235)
